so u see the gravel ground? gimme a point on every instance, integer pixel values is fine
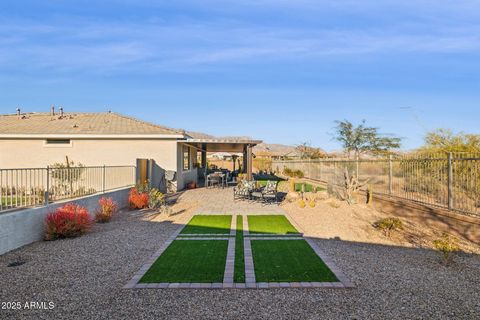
(84, 278)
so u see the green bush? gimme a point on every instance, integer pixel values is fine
(387, 225)
(446, 245)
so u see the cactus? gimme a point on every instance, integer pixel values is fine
(351, 185)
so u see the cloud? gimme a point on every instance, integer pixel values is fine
(93, 45)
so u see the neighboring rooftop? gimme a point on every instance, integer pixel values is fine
(107, 123)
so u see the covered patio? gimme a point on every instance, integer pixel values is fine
(233, 146)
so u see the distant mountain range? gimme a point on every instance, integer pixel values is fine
(263, 147)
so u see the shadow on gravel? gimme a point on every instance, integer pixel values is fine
(84, 276)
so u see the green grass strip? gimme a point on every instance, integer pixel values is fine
(308, 187)
(288, 261)
(201, 261)
(274, 224)
(212, 224)
(239, 273)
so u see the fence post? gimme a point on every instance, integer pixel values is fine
(450, 181)
(390, 175)
(103, 179)
(46, 194)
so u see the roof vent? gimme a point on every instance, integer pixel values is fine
(52, 111)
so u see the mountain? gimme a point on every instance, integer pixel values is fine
(274, 148)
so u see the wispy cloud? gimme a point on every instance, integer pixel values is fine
(153, 44)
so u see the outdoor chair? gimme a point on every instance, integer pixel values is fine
(243, 190)
(269, 192)
(213, 179)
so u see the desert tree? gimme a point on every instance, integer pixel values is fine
(360, 139)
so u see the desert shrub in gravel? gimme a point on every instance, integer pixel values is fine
(387, 225)
(67, 222)
(138, 200)
(334, 204)
(107, 208)
(446, 245)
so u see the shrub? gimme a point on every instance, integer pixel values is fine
(138, 200)
(293, 173)
(387, 225)
(446, 245)
(107, 209)
(311, 203)
(67, 222)
(156, 199)
(334, 204)
(301, 203)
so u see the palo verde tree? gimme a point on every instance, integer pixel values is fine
(361, 139)
(445, 140)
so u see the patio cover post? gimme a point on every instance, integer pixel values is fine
(249, 163)
(245, 153)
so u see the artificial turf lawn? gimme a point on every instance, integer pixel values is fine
(308, 187)
(273, 224)
(208, 224)
(199, 261)
(239, 273)
(288, 261)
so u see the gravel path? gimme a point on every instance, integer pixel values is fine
(84, 278)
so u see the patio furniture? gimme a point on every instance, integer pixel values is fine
(270, 191)
(214, 179)
(244, 190)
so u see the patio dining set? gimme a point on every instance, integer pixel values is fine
(249, 190)
(221, 178)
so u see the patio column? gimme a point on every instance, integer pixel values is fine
(245, 153)
(249, 163)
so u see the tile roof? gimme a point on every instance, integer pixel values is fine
(107, 123)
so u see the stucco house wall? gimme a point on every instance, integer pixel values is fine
(35, 153)
(186, 176)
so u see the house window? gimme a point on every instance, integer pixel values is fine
(186, 158)
(57, 141)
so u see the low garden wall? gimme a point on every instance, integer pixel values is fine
(22, 227)
(451, 222)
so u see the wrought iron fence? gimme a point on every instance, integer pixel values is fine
(40, 186)
(450, 181)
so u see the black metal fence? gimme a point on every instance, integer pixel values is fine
(450, 181)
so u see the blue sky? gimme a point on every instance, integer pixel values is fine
(282, 71)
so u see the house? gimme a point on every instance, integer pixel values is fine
(34, 140)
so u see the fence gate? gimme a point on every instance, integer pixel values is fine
(142, 170)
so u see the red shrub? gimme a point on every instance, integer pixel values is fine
(107, 209)
(138, 200)
(66, 222)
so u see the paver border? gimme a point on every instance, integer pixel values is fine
(250, 281)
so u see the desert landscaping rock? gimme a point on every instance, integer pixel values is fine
(84, 277)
